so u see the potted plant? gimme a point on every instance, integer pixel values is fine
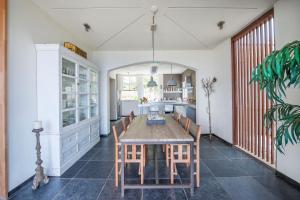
(279, 71)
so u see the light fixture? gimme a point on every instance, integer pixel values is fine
(152, 83)
(171, 82)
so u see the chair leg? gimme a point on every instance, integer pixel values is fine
(198, 166)
(142, 164)
(172, 165)
(167, 155)
(116, 168)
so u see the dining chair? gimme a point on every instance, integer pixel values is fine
(125, 123)
(195, 131)
(182, 149)
(131, 116)
(135, 155)
(179, 155)
(176, 116)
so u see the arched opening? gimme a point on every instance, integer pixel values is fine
(183, 97)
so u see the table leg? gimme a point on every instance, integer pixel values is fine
(156, 164)
(122, 170)
(192, 167)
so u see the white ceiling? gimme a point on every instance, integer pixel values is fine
(145, 69)
(181, 24)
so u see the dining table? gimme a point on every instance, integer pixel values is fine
(140, 133)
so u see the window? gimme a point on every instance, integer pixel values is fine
(129, 83)
(129, 91)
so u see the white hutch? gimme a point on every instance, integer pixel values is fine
(67, 99)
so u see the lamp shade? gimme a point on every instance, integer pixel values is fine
(151, 83)
(171, 82)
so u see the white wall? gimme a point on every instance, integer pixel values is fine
(27, 25)
(202, 61)
(222, 101)
(287, 29)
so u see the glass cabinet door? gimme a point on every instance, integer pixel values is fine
(68, 101)
(94, 88)
(83, 72)
(93, 76)
(93, 111)
(83, 86)
(83, 114)
(93, 100)
(68, 67)
(83, 100)
(68, 84)
(69, 117)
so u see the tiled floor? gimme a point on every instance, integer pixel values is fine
(226, 173)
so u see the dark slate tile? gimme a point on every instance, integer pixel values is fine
(160, 154)
(106, 142)
(96, 169)
(245, 188)
(88, 155)
(152, 194)
(210, 189)
(218, 142)
(131, 172)
(224, 168)
(184, 171)
(231, 153)
(163, 170)
(71, 172)
(279, 187)
(253, 167)
(211, 153)
(81, 189)
(44, 192)
(110, 192)
(103, 154)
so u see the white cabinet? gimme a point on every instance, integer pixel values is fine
(67, 99)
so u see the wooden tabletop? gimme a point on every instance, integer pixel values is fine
(140, 132)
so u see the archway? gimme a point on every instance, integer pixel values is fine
(105, 89)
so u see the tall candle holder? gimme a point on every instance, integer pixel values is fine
(39, 171)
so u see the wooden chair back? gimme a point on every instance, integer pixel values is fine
(131, 116)
(195, 131)
(117, 130)
(176, 116)
(125, 123)
(184, 122)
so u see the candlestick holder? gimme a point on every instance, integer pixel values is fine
(39, 171)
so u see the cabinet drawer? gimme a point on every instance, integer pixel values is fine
(68, 154)
(95, 127)
(83, 132)
(83, 143)
(68, 141)
(95, 134)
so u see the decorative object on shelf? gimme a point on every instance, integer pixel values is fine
(208, 87)
(279, 71)
(143, 100)
(152, 83)
(75, 49)
(39, 171)
(171, 82)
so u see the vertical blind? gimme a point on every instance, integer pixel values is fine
(249, 48)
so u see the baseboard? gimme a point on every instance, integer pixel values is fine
(13, 191)
(288, 179)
